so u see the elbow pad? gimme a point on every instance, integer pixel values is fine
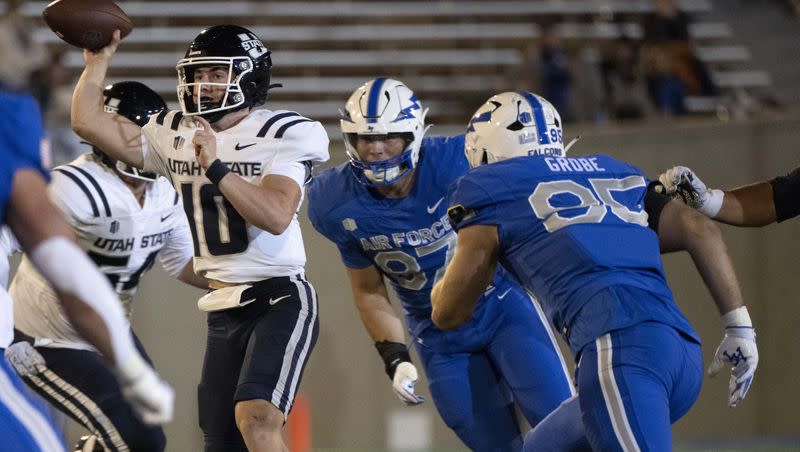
(69, 270)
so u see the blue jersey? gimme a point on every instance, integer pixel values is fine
(408, 239)
(570, 228)
(21, 140)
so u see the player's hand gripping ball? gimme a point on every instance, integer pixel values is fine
(88, 24)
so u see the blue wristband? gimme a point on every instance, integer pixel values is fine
(216, 171)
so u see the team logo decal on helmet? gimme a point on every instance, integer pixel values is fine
(513, 124)
(244, 59)
(383, 108)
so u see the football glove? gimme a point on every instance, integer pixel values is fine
(405, 376)
(25, 359)
(737, 350)
(150, 397)
(683, 182)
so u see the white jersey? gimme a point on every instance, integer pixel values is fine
(121, 236)
(226, 247)
(8, 246)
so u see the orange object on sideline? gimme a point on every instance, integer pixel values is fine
(298, 426)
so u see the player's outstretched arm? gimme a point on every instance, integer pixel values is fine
(683, 228)
(372, 303)
(751, 205)
(89, 302)
(471, 270)
(113, 133)
(386, 329)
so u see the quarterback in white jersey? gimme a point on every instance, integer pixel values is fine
(227, 247)
(123, 219)
(241, 175)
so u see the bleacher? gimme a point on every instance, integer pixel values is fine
(454, 54)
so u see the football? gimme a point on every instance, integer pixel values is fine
(88, 24)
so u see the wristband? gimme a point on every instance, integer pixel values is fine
(737, 317)
(393, 353)
(216, 171)
(713, 203)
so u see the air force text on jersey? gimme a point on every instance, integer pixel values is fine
(416, 237)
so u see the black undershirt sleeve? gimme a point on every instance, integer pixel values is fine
(654, 203)
(786, 195)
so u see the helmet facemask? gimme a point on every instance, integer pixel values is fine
(190, 92)
(384, 172)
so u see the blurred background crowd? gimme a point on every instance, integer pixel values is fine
(596, 61)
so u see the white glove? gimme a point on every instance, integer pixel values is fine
(25, 359)
(405, 376)
(684, 182)
(150, 396)
(737, 350)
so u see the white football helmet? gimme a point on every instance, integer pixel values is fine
(383, 107)
(513, 124)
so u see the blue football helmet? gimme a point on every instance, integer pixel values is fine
(383, 108)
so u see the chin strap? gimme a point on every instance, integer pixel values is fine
(572, 142)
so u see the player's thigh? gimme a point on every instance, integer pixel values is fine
(626, 381)
(472, 399)
(687, 380)
(529, 360)
(279, 345)
(80, 384)
(24, 424)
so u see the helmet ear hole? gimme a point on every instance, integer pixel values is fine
(515, 126)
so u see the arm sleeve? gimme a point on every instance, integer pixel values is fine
(82, 279)
(352, 257)
(654, 203)
(70, 199)
(786, 195)
(299, 172)
(152, 132)
(179, 248)
(8, 242)
(304, 141)
(320, 217)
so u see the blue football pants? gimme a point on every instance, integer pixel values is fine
(633, 384)
(476, 374)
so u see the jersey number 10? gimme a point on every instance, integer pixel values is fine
(224, 229)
